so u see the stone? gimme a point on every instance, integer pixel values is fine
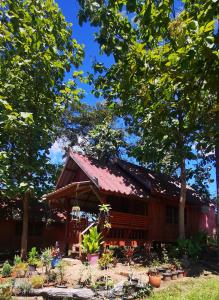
(72, 261)
(57, 293)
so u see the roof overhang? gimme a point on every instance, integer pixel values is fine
(70, 190)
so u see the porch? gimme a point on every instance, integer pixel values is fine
(126, 228)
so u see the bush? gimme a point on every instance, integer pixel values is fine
(20, 269)
(105, 260)
(192, 247)
(37, 281)
(92, 241)
(6, 269)
(24, 287)
(33, 257)
(46, 258)
(5, 291)
(17, 259)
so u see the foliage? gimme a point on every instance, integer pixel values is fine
(105, 282)
(61, 271)
(36, 50)
(6, 269)
(143, 292)
(161, 58)
(33, 257)
(46, 258)
(105, 260)
(24, 287)
(17, 259)
(51, 276)
(93, 131)
(20, 269)
(165, 256)
(6, 291)
(37, 281)
(91, 242)
(192, 247)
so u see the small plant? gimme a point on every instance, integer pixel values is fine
(6, 269)
(5, 291)
(92, 241)
(46, 258)
(61, 271)
(145, 291)
(20, 269)
(165, 256)
(155, 263)
(105, 260)
(51, 276)
(33, 257)
(24, 287)
(17, 259)
(177, 263)
(37, 281)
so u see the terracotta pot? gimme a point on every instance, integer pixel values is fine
(185, 274)
(174, 275)
(155, 280)
(167, 276)
(180, 273)
(92, 258)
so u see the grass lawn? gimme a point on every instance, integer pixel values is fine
(203, 288)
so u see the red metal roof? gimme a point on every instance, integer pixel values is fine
(122, 177)
(109, 177)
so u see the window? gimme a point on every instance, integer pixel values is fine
(172, 215)
(127, 205)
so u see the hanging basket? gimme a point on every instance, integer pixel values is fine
(75, 213)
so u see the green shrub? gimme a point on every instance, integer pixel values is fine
(105, 260)
(6, 291)
(6, 269)
(24, 287)
(33, 257)
(192, 247)
(37, 281)
(46, 258)
(92, 241)
(17, 259)
(20, 269)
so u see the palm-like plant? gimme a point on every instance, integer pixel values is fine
(92, 241)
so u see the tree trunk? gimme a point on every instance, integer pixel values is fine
(217, 172)
(24, 236)
(182, 201)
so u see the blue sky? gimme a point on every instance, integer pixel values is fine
(85, 35)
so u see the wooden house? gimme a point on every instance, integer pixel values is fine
(144, 204)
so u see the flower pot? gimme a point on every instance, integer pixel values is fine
(155, 280)
(32, 268)
(174, 275)
(92, 258)
(185, 273)
(167, 276)
(180, 273)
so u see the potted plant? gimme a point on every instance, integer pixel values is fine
(6, 269)
(154, 278)
(91, 245)
(33, 259)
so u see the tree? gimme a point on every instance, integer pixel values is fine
(93, 130)
(158, 76)
(36, 50)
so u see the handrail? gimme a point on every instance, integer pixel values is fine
(87, 228)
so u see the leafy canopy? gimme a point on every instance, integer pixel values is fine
(37, 49)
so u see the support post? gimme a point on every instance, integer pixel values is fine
(68, 218)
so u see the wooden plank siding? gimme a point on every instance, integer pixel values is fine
(128, 228)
